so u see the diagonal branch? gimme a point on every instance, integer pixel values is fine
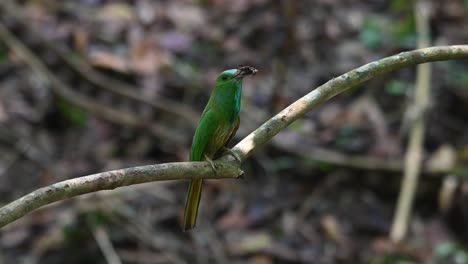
(227, 168)
(64, 90)
(340, 84)
(9, 11)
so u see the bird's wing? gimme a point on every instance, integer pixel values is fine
(204, 133)
(234, 130)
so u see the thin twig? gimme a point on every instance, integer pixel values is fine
(85, 70)
(104, 243)
(227, 166)
(359, 162)
(413, 158)
(64, 90)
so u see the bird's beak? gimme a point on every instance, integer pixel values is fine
(243, 71)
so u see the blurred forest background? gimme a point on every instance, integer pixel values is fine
(94, 85)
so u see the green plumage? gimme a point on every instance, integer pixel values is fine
(217, 125)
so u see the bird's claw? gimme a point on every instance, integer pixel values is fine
(213, 165)
(230, 151)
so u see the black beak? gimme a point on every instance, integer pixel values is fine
(243, 71)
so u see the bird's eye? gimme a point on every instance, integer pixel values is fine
(224, 77)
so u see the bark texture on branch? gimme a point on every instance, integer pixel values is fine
(340, 84)
(113, 179)
(227, 166)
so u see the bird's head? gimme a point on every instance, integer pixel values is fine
(234, 76)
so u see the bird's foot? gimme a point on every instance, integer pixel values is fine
(213, 165)
(230, 151)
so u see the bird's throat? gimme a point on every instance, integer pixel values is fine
(227, 99)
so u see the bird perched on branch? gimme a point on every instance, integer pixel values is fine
(218, 124)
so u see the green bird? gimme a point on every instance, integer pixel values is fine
(218, 124)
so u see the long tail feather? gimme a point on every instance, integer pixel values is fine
(191, 206)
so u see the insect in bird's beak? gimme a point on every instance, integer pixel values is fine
(243, 71)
